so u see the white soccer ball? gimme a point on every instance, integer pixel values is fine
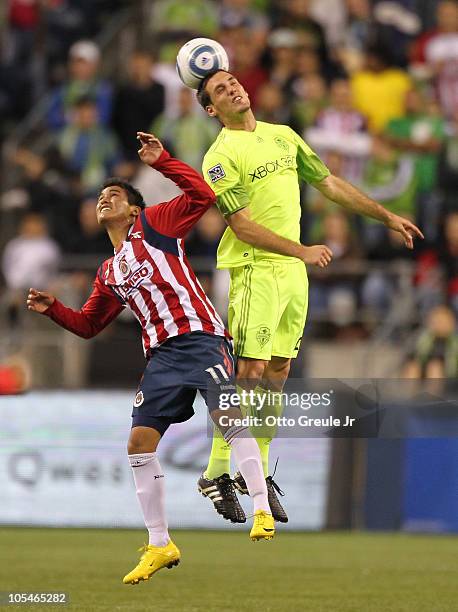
(197, 58)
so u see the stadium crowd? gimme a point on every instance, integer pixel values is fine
(371, 86)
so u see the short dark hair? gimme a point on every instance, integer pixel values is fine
(203, 96)
(134, 197)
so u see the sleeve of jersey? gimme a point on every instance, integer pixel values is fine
(100, 309)
(224, 178)
(177, 217)
(309, 166)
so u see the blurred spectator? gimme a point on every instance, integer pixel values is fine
(23, 19)
(45, 190)
(331, 15)
(436, 352)
(341, 129)
(283, 46)
(88, 148)
(137, 102)
(271, 105)
(395, 26)
(421, 133)
(448, 166)
(310, 98)
(438, 49)
(242, 13)
(437, 272)
(379, 91)
(318, 206)
(88, 237)
(295, 15)
(446, 23)
(189, 135)
(175, 19)
(335, 293)
(203, 242)
(83, 80)
(246, 67)
(391, 180)
(381, 286)
(31, 259)
(356, 36)
(449, 257)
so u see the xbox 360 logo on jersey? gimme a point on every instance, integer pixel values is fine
(280, 142)
(139, 399)
(263, 335)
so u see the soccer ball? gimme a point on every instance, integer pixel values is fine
(197, 58)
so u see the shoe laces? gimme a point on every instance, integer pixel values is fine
(225, 483)
(272, 481)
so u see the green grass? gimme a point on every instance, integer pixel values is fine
(222, 571)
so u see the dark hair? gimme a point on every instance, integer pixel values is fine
(134, 197)
(85, 100)
(203, 96)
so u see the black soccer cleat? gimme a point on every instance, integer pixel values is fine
(278, 512)
(222, 493)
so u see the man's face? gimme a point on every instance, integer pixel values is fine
(113, 205)
(228, 98)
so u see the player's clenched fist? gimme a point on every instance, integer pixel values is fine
(151, 148)
(317, 255)
(39, 301)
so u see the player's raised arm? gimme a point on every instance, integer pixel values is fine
(177, 217)
(312, 170)
(344, 193)
(100, 309)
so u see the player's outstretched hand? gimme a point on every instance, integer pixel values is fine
(406, 228)
(317, 255)
(151, 148)
(39, 301)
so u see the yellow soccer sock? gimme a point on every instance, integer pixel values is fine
(219, 461)
(272, 406)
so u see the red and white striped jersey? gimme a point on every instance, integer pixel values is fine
(150, 272)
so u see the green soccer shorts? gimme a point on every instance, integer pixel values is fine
(267, 308)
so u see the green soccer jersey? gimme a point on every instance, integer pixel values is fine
(259, 170)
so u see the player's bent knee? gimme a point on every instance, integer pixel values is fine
(251, 369)
(143, 440)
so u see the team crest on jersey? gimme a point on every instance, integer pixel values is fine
(124, 267)
(281, 142)
(139, 399)
(263, 335)
(216, 173)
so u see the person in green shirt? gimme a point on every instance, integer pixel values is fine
(254, 169)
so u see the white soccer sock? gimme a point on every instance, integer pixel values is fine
(149, 482)
(248, 460)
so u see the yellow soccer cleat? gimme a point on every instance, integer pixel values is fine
(152, 560)
(263, 526)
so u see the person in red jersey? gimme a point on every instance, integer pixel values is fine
(184, 339)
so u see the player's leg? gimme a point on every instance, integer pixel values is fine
(248, 461)
(251, 315)
(216, 383)
(292, 287)
(160, 401)
(149, 484)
